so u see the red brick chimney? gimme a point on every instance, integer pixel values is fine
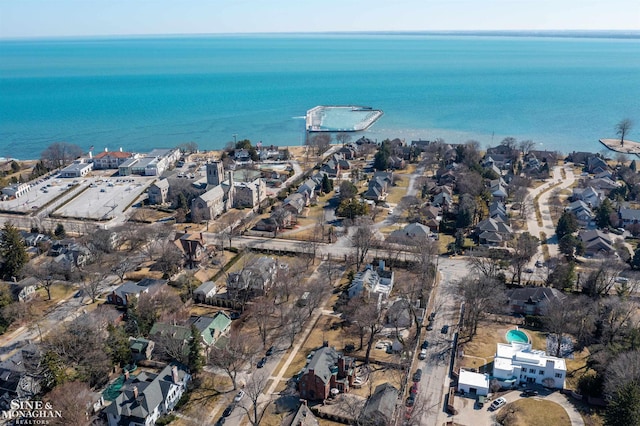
(174, 375)
(135, 392)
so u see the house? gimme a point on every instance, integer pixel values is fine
(25, 289)
(629, 216)
(498, 211)
(604, 183)
(158, 192)
(589, 195)
(256, 278)
(19, 376)
(399, 314)
(413, 233)
(110, 160)
(443, 200)
(380, 408)
(242, 155)
(147, 396)
(249, 194)
(76, 169)
(517, 363)
(532, 300)
(140, 348)
(375, 280)
(16, 190)
(212, 328)
(581, 211)
(596, 165)
(378, 186)
(205, 291)
(328, 369)
(302, 417)
(471, 383)
(493, 232)
(128, 290)
(192, 248)
(295, 203)
(596, 242)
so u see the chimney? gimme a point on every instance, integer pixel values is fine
(90, 154)
(120, 149)
(106, 149)
(135, 392)
(174, 375)
(126, 375)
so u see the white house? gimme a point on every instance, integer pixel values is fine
(206, 290)
(517, 363)
(375, 280)
(473, 383)
(147, 396)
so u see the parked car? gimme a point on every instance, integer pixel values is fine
(234, 315)
(430, 326)
(530, 392)
(262, 362)
(238, 396)
(539, 264)
(497, 404)
(425, 345)
(444, 329)
(411, 400)
(417, 376)
(270, 351)
(529, 270)
(432, 316)
(423, 354)
(227, 411)
(414, 388)
(220, 421)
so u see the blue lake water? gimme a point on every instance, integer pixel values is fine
(141, 93)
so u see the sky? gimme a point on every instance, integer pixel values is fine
(56, 18)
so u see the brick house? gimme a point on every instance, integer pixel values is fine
(327, 370)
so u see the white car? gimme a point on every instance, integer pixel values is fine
(423, 354)
(239, 396)
(497, 404)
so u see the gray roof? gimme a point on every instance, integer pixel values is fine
(206, 287)
(381, 405)
(534, 294)
(214, 194)
(322, 361)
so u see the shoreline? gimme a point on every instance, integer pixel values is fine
(629, 147)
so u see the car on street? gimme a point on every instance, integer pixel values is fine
(432, 316)
(234, 315)
(220, 421)
(539, 264)
(497, 404)
(424, 345)
(430, 326)
(529, 270)
(414, 388)
(423, 354)
(417, 376)
(238, 396)
(227, 411)
(262, 362)
(270, 351)
(411, 400)
(444, 329)
(530, 392)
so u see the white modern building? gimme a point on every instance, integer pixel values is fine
(473, 383)
(517, 363)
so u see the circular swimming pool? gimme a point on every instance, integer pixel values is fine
(517, 336)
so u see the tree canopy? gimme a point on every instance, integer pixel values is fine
(13, 251)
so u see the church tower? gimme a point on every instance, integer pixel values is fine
(215, 173)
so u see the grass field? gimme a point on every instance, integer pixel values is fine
(533, 412)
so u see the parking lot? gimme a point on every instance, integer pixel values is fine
(105, 198)
(41, 193)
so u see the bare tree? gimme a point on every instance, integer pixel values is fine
(362, 240)
(262, 311)
(59, 154)
(486, 262)
(74, 401)
(253, 389)
(622, 128)
(524, 247)
(481, 296)
(170, 258)
(232, 358)
(600, 280)
(92, 284)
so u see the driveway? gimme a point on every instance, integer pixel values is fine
(469, 414)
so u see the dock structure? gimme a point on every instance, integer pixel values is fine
(335, 118)
(626, 147)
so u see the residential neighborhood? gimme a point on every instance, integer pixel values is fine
(350, 282)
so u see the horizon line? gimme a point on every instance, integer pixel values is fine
(564, 33)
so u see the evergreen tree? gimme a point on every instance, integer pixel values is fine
(327, 184)
(12, 250)
(567, 224)
(60, 231)
(603, 214)
(195, 354)
(624, 406)
(381, 159)
(117, 345)
(635, 261)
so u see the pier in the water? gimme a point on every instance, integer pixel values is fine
(626, 147)
(351, 118)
